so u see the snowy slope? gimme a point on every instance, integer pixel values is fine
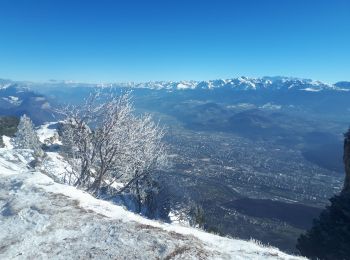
(41, 219)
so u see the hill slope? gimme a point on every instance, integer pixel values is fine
(41, 219)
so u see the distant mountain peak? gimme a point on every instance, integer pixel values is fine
(240, 83)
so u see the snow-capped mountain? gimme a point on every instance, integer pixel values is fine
(240, 83)
(38, 99)
(18, 98)
(4, 83)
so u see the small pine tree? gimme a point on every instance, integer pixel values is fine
(197, 216)
(26, 138)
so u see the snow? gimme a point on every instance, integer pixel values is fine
(7, 142)
(56, 167)
(13, 100)
(249, 83)
(183, 85)
(271, 106)
(5, 86)
(343, 89)
(44, 132)
(311, 89)
(240, 84)
(41, 219)
(12, 162)
(241, 106)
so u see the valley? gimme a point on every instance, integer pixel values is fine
(219, 169)
(260, 160)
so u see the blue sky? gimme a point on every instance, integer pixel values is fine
(104, 41)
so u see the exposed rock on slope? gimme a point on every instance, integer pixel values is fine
(41, 219)
(347, 162)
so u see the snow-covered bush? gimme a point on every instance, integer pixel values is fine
(26, 138)
(106, 143)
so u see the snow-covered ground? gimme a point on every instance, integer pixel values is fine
(42, 219)
(47, 131)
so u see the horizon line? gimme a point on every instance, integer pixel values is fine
(65, 81)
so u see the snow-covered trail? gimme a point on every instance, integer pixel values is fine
(41, 219)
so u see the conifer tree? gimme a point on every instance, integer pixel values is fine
(329, 238)
(26, 138)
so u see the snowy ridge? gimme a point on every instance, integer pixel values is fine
(239, 84)
(42, 219)
(4, 83)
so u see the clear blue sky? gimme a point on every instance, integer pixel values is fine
(103, 41)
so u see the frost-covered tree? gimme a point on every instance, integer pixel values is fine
(26, 137)
(76, 148)
(110, 144)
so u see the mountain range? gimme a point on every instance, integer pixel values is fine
(240, 83)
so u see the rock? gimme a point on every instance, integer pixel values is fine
(329, 238)
(346, 159)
